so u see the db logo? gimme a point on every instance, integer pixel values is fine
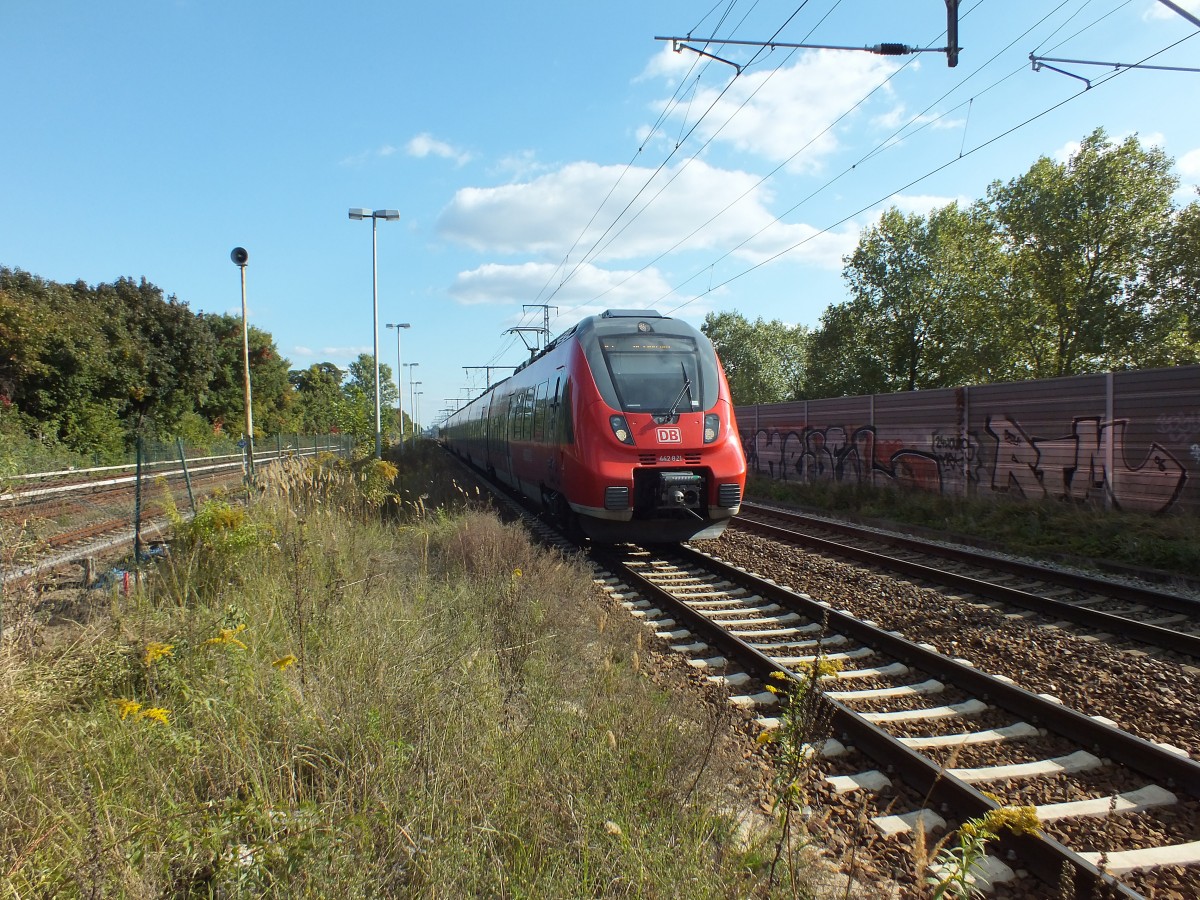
(670, 436)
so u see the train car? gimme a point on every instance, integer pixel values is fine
(622, 427)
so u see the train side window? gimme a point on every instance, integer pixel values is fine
(552, 411)
(539, 411)
(566, 426)
(526, 413)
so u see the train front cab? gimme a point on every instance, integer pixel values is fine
(664, 462)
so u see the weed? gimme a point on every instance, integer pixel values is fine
(324, 698)
(955, 879)
(1040, 529)
(803, 727)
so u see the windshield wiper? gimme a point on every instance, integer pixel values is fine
(687, 389)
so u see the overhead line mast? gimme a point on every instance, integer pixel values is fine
(883, 49)
(488, 369)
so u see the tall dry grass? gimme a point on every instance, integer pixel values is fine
(307, 700)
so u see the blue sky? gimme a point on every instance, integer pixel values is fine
(538, 152)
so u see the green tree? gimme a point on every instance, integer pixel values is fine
(62, 368)
(161, 355)
(923, 311)
(1170, 297)
(318, 393)
(1081, 237)
(358, 412)
(764, 361)
(271, 395)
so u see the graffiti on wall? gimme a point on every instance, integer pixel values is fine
(1004, 459)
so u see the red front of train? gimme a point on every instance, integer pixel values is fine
(623, 425)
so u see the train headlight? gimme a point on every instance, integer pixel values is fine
(712, 427)
(620, 429)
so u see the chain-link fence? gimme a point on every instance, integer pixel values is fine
(49, 518)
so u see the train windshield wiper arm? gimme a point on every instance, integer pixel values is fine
(687, 389)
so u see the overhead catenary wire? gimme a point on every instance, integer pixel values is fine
(649, 180)
(910, 184)
(881, 146)
(920, 121)
(774, 171)
(663, 115)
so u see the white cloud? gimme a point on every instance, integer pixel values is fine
(924, 204)
(425, 144)
(590, 290)
(670, 65)
(1157, 10)
(691, 207)
(347, 353)
(359, 159)
(787, 113)
(518, 165)
(1064, 153)
(1189, 164)
(1150, 139)
(1188, 167)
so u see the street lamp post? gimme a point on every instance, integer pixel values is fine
(391, 215)
(418, 406)
(240, 257)
(411, 375)
(413, 404)
(399, 381)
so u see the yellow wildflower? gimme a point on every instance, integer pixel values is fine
(156, 651)
(156, 714)
(284, 661)
(1017, 819)
(516, 573)
(226, 636)
(977, 829)
(127, 708)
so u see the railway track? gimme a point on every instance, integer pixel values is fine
(919, 733)
(72, 515)
(916, 734)
(1123, 613)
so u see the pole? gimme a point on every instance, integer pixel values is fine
(399, 377)
(412, 402)
(411, 377)
(400, 388)
(137, 514)
(246, 380)
(375, 331)
(187, 477)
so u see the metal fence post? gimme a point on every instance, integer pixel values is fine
(1110, 470)
(137, 508)
(187, 477)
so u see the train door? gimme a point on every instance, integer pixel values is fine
(554, 449)
(512, 433)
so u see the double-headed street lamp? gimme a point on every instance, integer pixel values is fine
(399, 382)
(411, 375)
(391, 215)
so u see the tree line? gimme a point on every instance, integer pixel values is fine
(1075, 267)
(90, 369)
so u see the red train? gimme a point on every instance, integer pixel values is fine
(622, 426)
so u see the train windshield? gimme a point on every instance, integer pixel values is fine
(656, 373)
